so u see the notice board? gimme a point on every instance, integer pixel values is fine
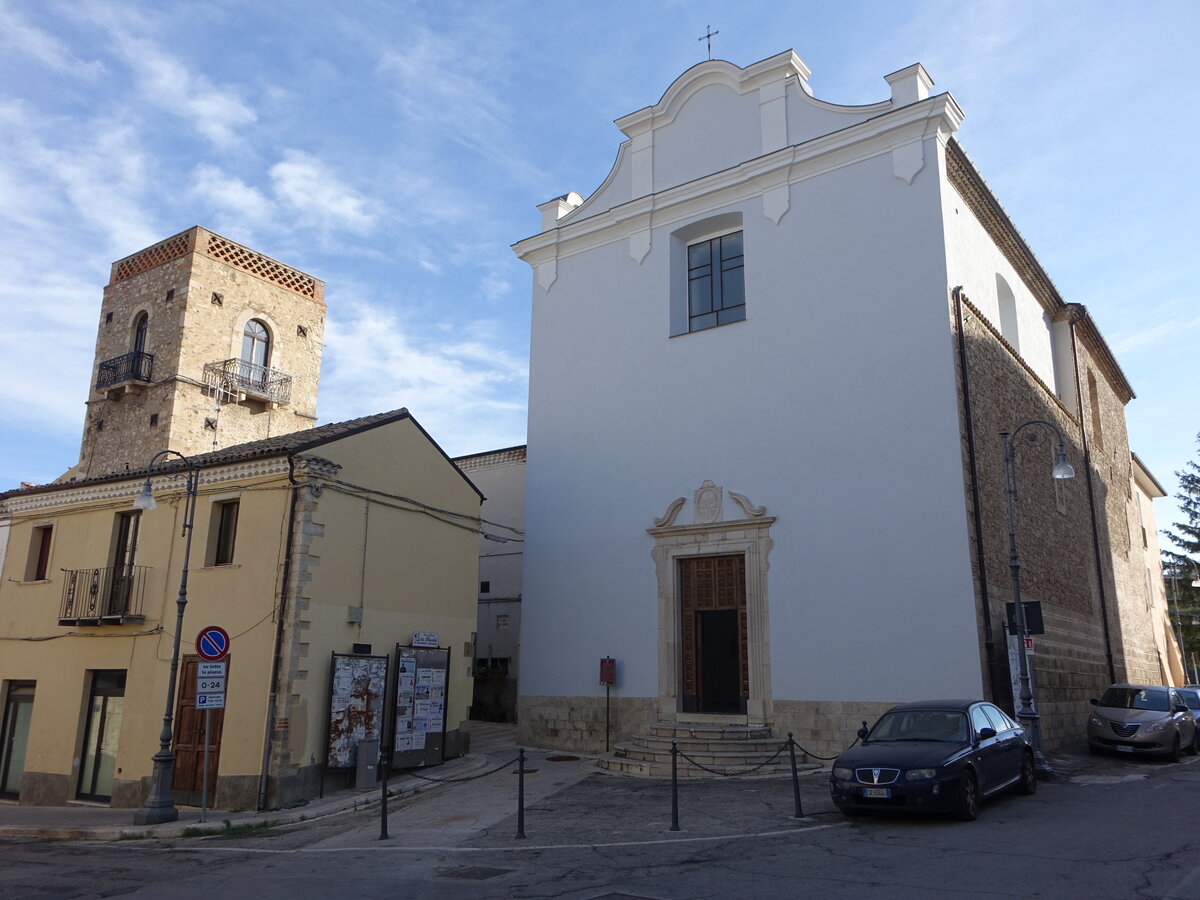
(357, 692)
(419, 719)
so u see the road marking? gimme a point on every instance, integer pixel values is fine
(521, 847)
(1109, 779)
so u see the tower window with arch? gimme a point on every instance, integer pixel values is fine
(141, 329)
(256, 344)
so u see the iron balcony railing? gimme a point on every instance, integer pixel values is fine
(236, 376)
(109, 595)
(132, 366)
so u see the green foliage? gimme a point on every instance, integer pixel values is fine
(1180, 568)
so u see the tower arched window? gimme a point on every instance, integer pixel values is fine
(141, 327)
(256, 344)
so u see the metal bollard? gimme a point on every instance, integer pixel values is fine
(674, 786)
(383, 813)
(521, 794)
(795, 777)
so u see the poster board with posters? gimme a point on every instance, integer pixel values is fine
(419, 716)
(357, 698)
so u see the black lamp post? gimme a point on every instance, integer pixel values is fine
(1027, 713)
(160, 804)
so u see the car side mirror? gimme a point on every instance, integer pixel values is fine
(863, 732)
(1181, 708)
(1094, 702)
(985, 733)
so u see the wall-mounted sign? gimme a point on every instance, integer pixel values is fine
(608, 671)
(425, 639)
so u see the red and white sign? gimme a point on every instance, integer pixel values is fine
(212, 643)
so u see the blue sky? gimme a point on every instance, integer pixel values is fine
(397, 149)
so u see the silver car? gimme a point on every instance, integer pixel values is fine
(1142, 719)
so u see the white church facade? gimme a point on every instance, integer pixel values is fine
(771, 357)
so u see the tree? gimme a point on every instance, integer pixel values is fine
(1180, 569)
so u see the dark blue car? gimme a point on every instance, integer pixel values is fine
(934, 756)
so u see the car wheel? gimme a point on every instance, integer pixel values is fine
(1175, 755)
(1028, 782)
(968, 798)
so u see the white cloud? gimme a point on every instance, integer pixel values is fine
(18, 38)
(238, 208)
(469, 391)
(305, 183)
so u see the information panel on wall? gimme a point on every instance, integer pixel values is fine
(419, 720)
(357, 692)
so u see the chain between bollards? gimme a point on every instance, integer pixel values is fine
(795, 777)
(674, 785)
(521, 793)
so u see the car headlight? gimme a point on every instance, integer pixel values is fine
(843, 773)
(1158, 726)
(1097, 721)
(919, 774)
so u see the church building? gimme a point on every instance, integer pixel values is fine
(779, 357)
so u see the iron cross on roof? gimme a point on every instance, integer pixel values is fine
(708, 36)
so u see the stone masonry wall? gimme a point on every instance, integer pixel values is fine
(198, 291)
(1057, 548)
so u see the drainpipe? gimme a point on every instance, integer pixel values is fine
(989, 642)
(1076, 311)
(277, 655)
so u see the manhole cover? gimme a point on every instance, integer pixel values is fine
(562, 759)
(473, 873)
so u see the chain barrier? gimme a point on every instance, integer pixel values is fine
(465, 778)
(739, 772)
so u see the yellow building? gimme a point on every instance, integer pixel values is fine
(307, 548)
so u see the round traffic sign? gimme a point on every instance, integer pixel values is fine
(212, 643)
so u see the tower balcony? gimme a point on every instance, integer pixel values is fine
(109, 595)
(238, 380)
(124, 374)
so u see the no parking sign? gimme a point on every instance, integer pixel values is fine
(212, 643)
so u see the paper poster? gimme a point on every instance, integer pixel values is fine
(439, 678)
(437, 693)
(422, 692)
(403, 742)
(420, 726)
(424, 676)
(418, 740)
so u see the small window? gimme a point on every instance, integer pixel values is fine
(153, 420)
(99, 425)
(169, 296)
(218, 299)
(210, 424)
(301, 331)
(485, 587)
(107, 318)
(716, 285)
(38, 567)
(224, 532)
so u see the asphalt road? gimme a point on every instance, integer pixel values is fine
(1117, 829)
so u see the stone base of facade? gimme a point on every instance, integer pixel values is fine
(577, 723)
(44, 789)
(821, 727)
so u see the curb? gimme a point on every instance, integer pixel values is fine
(297, 815)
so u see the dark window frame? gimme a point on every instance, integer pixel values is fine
(716, 282)
(225, 516)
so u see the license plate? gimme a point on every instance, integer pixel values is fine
(1124, 749)
(878, 793)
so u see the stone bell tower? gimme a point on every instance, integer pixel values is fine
(202, 344)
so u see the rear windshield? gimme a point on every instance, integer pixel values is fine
(1132, 698)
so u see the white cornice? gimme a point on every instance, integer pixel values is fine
(936, 116)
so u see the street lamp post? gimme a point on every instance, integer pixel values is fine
(160, 804)
(1027, 713)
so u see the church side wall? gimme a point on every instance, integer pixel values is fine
(832, 405)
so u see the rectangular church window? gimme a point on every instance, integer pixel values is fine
(716, 284)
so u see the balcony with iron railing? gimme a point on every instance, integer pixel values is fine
(110, 595)
(238, 379)
(129, 371)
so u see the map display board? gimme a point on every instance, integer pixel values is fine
(419, 719)
(357, 698)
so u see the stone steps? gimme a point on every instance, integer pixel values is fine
(717, 747)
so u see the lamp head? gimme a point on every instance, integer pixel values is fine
(1062, 469)
(144, 500)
